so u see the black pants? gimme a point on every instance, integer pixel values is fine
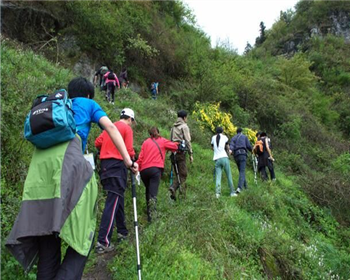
(112, 213)
(110, 90)
(151, 178)
(180, 160)
(263, 173)
(50, 266)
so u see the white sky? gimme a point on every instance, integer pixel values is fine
(236, 21)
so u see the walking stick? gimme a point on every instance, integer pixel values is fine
(255, 167)
(177, 174)
(171, 175)
(132, 177)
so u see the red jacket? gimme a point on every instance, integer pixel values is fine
(107, 147)
(150, 155)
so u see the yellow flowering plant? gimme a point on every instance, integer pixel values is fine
(209, 117)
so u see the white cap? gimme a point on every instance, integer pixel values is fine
(128, 112)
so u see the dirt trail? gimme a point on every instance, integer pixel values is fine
(100, 271)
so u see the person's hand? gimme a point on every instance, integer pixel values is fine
(230, 151)
(271, 158)
(191, 159)
(135, 168)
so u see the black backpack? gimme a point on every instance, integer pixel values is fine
(111, 76)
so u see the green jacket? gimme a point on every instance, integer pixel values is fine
(59, 196)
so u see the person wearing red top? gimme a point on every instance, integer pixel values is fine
(151, 165)
(111, 82)
(113, 177)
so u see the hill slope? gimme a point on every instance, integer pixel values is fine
(269, 231)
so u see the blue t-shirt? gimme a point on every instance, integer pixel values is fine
(86, 111)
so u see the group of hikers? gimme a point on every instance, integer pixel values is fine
(238, 147)
(60, 191)
(109, 82)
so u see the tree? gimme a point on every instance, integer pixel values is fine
(247, 48)
(259, 40)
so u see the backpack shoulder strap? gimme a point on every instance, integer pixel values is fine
(155, 142)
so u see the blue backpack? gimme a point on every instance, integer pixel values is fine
(50, 121)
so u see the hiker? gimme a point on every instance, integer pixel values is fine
(113, 177)
(265, 159)
(154, 90)
(181, 133)
(239, 145)
(59, 196)
(151, 166)
(220, 146)
(112, 82)
(123, 78)
(99, 75)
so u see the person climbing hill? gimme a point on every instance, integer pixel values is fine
(239, 147)
(219, 143)
(59, 196)
(151, 165)
(112, 82)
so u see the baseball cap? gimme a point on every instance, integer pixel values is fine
(129, 113)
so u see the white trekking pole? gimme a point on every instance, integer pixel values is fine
(132, 177)
(255, 167)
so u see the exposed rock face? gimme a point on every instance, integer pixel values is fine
(341, 25)
(84, 67)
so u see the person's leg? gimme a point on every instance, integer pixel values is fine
(72, 267)
(228, 174)
(113, 92)
(120, 218)
(109, 90)
(155, 174)
(107, 219)
(218, 174)
(262, 171)
(241, 162)
(243, 166)
(182, 172)
(49, 256)
(271, 169)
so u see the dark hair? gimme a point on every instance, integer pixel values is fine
(258, 134)
(239, 130)
(181, 114)
(219, 129)
(263, 134)
(125, 117)
(81, 87)
(154, 132)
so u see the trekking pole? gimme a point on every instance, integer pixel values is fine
(132, 177)
(177, 175)
(171, 175)
(255, 167)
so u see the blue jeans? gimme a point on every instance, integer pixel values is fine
(241, 161)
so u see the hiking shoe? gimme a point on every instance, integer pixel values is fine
(238, 191)
(217, 195)
(233, 194)
(112, 103)
(100, 249)
(121, 237)
(172, 194)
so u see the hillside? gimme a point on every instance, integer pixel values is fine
(295, 228)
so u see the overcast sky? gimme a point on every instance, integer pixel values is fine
(236, 21)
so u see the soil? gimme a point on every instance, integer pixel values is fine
(100, 270)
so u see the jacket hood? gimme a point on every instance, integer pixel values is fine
(179, 122)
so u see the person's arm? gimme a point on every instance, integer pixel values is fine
(232, 145)
(248, 145)
(99, 141)
(268, 149)
(117, 139)
(170, 146)
(141, 156)
(129, 142)
(187, 137)
(117, 80)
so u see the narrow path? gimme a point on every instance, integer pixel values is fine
(100, 270)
